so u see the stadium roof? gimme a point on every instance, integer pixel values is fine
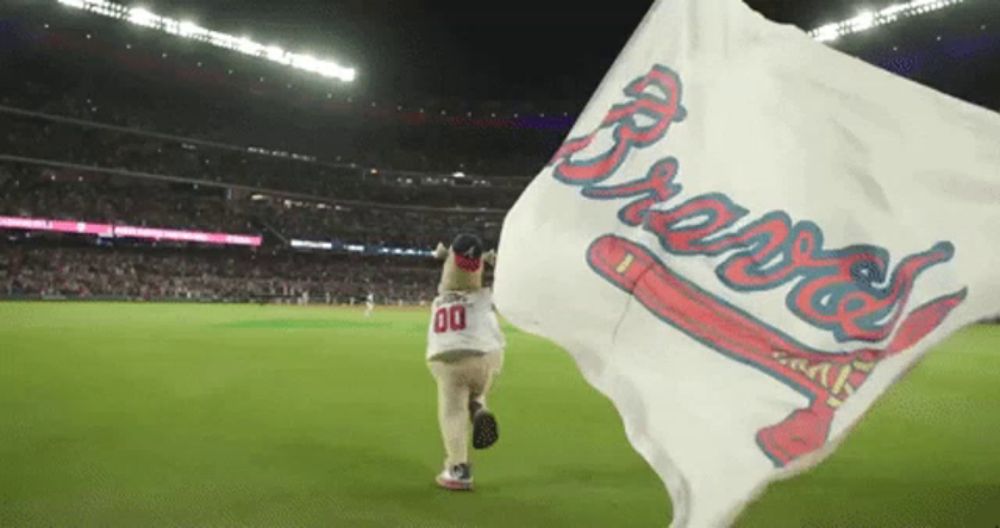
(510, 50)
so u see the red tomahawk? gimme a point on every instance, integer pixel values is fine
(826, 378)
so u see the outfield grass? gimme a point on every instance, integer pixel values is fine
(174, 415)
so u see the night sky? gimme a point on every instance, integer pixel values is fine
(492, 50)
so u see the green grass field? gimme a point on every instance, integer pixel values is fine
(171, 415)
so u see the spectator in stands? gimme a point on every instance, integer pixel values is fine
(222, 275)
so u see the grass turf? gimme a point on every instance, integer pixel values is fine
(177, 415)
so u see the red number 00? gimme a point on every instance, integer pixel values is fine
(449, 318)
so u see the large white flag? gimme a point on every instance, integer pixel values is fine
(746, 239)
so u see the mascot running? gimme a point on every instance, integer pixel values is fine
(465, 350)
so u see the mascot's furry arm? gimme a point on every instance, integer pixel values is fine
(463, 264)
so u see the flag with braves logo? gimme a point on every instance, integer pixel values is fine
(746, 239)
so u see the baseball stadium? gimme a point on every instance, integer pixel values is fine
(231, 237)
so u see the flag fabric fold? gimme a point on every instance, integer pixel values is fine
(746, 239)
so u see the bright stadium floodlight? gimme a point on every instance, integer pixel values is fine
(189, 29)
(869, 19)
(827, 33)
(275, 53)
(863, 21)
(142, 16)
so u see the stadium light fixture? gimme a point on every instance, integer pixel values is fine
(863, 21)
(142, 16)
(275, 53)
(188, 29)
(870, 19)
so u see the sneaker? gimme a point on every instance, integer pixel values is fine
(485, 431)
(456, 478)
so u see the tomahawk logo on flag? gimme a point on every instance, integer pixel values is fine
(746, 239)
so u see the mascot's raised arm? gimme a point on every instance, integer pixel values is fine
(465, 350)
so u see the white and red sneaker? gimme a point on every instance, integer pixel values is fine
(456, 478)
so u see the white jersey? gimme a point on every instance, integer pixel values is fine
(464, 321)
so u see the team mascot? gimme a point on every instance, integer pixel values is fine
(465, 350)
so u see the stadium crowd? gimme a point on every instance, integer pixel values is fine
(354, 138)
(61, 76)
(142, 273)
(63, 195)
(43, 139)
(27, 191)
(184, 153)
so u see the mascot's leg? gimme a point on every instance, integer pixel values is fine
(453, 418)
(485, 429)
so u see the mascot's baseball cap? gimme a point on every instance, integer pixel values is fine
(468, 250)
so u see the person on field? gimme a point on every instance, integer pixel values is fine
(465, 349)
